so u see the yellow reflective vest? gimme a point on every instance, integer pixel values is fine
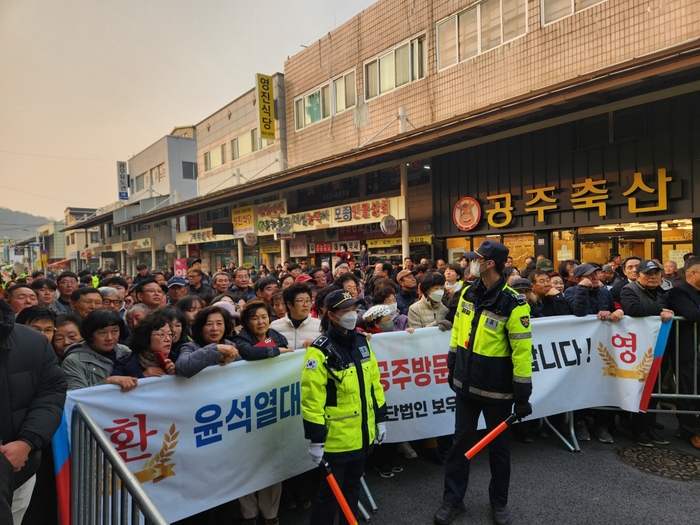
(341, 396)
(491, 345)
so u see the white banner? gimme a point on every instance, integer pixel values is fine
(197, 443)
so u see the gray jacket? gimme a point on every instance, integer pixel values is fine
(83, 367)
(194, 358)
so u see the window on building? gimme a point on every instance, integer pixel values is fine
(554, 10)
(189, 170)
(247, 143)
(344, 92)
(68, 239)
(478, 29)
(215, 157)
(218, 213)
(94, 237)
(447, 43)
(395, 68)
(140, 182)
(158, 174)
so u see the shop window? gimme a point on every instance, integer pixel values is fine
(520, 246)
(676, 240)
(456, 247)
(563, 247)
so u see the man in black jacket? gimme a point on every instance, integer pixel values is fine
(32, 395)
(586, 298)
(684, 300)
(629, 270)
(644, 297)
(407, 294)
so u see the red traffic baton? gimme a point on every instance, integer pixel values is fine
(488, 438)
(338, 493)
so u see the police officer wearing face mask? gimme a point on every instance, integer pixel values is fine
(342, 403)
(490, 365)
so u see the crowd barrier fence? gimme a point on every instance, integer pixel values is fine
(103, 491)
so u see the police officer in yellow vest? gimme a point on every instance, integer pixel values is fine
(342, 403)
(490, 363)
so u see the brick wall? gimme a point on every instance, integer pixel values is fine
(604, 35)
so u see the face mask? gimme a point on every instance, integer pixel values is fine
(475, 269)
(386, 327)
(436, 296)
(348, 320)
(392, 308)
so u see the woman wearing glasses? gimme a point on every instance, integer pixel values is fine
(151, 345)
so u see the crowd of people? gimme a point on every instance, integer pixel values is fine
(110, 328)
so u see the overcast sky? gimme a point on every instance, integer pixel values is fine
(85, 83)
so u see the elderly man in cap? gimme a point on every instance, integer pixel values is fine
(490, 364)
(177, 289)
(642, 298)
(591, 297)
(408, 292)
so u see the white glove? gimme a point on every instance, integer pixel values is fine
(381, 433)
(316, 452)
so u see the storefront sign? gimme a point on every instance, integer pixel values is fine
(199, 236)
(250, 239)
(298, 246)
(243, 220)
(122, 181)
(266, 106)
(589, 194)
(466, 213)
(320, 247)
(273, 220)
(564, 254)
(170, 248)
(270, 246)
(138, 244)
(396, 241)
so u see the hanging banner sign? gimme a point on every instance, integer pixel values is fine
(266, 106)
(243, 220)
(225, 438)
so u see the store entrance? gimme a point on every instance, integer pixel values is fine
(597, 248)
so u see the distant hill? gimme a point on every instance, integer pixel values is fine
(18, 225)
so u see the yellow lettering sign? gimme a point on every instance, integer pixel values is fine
(505, 208)
(639, 184)
(539, 195)
(596, 200)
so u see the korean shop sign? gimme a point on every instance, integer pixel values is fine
(243, 220)
(266, 106)
(591, 194)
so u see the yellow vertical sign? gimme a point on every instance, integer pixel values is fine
(266, 106)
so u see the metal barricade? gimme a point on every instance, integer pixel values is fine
(677, 383)
(103, 491)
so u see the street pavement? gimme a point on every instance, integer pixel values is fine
(549, 485)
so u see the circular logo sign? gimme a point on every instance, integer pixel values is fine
(389, 225)
(170, 248)
(466, 214)
(130, 251)
(250, 239)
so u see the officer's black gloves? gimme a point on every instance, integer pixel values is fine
(522, 409)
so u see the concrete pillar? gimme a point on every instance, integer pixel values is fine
(240, 253)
